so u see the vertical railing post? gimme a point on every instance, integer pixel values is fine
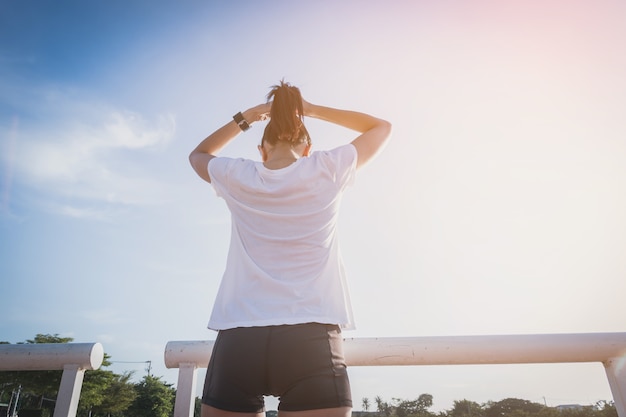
(69, 391)
(616, 374)
(185, 390)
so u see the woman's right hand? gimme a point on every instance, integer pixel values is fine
(258, 113)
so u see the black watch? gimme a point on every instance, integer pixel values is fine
(241, 122)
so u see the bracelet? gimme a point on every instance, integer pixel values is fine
(241, 122)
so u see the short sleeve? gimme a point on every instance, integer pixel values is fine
(342, 161)
(218, 171)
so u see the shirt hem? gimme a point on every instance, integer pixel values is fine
(279, 322)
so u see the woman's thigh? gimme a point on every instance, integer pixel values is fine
(323, 412)
(208, 411)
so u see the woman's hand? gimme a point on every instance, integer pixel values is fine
(258, 113)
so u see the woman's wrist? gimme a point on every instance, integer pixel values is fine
(241, 121)
(249, 115)
(309, 109)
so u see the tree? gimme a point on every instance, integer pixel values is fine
(105, 393)
(405, 408)
(366, 404)
(417, 407)
(466, 408)
(512, 407)
(382, 407)
(154, 398)
(50, 338)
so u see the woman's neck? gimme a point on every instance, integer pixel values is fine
(281, 157)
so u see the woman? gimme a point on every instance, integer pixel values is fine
(283, 299)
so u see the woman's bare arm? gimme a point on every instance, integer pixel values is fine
(215, 142)
(374, 131)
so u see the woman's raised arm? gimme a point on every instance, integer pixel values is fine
(212, 144)
(374, 131)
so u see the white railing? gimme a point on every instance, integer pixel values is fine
(607, 348)
(72, 358)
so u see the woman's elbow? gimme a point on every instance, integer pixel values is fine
(386, 128)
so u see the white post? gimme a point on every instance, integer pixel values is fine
(195, 351)
(186, 390)
(616, 373)
(69, 391)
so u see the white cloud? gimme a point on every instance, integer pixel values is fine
(130, 131)
(87, 150)
(85, 154)
(82, 212)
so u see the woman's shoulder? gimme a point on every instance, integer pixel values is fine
(344, 154)
(225, 161)
(223, 166)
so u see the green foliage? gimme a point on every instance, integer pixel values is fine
(50, 338)
(466, 408)
(513, 407)
(197, 410)
(105, 393)
(405, 408)
(154, 398)
(418, 407)
(509, 407)
(383, 408)
(366, 404)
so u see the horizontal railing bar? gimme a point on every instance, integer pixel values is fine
(474, 350)
(451, 350)
(50, 356)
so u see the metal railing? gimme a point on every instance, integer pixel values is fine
(607, 348)
(72, 358)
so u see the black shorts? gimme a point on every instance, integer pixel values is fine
(302, 364)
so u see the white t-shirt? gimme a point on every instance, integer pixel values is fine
(284, 265)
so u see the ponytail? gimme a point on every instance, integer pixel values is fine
(286, 116)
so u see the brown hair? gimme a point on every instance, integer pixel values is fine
(286, 116)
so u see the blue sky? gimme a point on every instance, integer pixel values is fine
(497, 208)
